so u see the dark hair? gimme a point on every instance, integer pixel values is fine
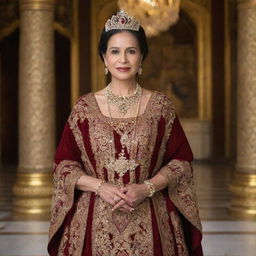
(140, 35)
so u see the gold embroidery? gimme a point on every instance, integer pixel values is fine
(74, 234)
(167, 110)
(65, 177)
(162, 217)
(78, 115)
(181, 190)
(121, 233)
(179, 235)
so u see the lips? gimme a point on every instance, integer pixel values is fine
(122, 69)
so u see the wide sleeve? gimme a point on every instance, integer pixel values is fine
(178, 170)
(68, 168)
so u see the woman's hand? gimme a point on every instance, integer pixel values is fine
(135, 192)
(112, 194)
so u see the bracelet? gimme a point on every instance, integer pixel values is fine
(151, 187)
(99, 186)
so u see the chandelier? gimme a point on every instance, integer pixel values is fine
(154, 15)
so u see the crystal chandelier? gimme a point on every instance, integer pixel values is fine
(154, 15)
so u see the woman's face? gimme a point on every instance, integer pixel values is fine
(123, 56)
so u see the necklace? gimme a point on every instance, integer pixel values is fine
(123, 102)
(121, 165)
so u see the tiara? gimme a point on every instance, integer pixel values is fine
(122, 21)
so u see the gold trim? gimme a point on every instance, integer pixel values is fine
(201, 16)
(98, 17)
(63, 31)
(36, 4)
(227, 79)
(9, 29)
(75, 67)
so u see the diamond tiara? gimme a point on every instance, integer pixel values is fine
(122, 21)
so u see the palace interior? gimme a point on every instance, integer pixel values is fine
(205, 63)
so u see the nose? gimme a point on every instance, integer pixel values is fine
(123, 57)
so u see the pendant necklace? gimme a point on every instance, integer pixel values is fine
(123, 102)
(121, 165)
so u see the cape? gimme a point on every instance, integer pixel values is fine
(166, 224)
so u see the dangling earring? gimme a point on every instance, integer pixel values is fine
(106, 70)
(140, 71)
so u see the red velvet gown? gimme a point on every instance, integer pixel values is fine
(166, 224)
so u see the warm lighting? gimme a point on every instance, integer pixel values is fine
(154, 15)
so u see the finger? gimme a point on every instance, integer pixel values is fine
(119, 204)
(122, 204)
(127, 208)
(112, 202)
(124, 189)
(125, 198)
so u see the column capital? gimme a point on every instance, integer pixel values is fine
(36, 5)
(246, 4)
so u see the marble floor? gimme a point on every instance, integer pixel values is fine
(223, 236)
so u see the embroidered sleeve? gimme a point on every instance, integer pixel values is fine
(68, 168)
(178, 171)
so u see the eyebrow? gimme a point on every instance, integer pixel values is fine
(115, 47)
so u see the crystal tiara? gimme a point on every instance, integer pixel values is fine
(122, 21)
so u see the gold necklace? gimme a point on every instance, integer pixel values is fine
(123, 102)
(121, 165)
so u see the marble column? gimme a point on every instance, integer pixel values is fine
(33, 187)
(243, 187)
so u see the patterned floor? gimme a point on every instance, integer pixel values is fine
(222, 235)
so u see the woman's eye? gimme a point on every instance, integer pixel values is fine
(132, 51)
(114, 51)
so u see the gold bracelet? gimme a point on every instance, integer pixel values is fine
(151, 187)
(99, 186)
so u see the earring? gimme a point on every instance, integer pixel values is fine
(140, 71)
(106, 70)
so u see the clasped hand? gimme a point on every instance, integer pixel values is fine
(124, 198)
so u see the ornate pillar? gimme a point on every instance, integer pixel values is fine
(243, 188)
(33, 187)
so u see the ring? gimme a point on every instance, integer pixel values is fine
(116, 199)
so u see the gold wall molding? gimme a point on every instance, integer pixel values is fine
(101, 10)
(62, 30)
(227, 79)
(75, 59)
(9, 17)
(8, 30)
(201, 16)
(37, 5)
(63, 16)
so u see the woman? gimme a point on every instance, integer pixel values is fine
(123, 179)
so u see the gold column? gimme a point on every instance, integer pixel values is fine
(33, 187)
(243, 188)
